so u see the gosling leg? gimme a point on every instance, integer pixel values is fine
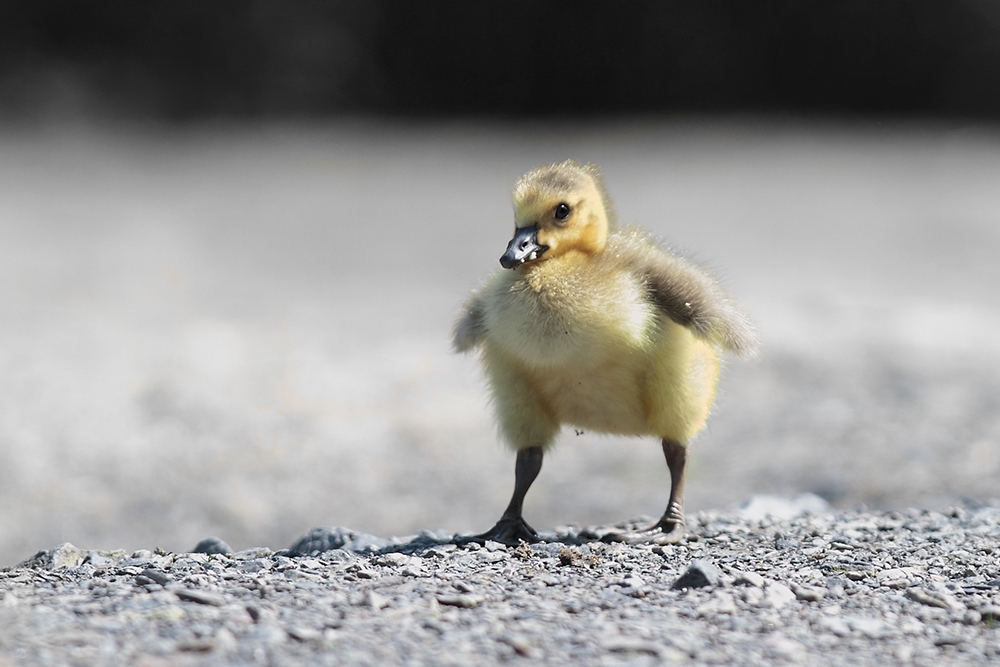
(670, 528)
(671, 524)
(512, 528)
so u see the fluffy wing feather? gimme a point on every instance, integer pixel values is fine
(686, 293)
(470, 327)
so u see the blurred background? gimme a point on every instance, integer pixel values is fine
(234, 236)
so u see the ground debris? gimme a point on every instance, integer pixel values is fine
(730, 595)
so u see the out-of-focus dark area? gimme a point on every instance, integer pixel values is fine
(186, 59)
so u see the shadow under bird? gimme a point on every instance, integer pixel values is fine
(596, 326)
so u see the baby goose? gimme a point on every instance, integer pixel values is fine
(597, 327)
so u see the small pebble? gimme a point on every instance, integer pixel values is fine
(212, 545)
(200, 597)
(808, 593)
(699, 574)
(465, 601)
(749, 579)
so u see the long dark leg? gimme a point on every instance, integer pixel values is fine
(670, 528)
(672, 521)
(529, 464)
(512, 528)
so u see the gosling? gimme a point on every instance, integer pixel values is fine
(597, 327)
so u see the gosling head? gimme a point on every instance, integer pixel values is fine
(558, 209)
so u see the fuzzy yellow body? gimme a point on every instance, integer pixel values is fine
(576, 340)
(597, 327)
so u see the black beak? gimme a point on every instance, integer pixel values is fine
(524, 247)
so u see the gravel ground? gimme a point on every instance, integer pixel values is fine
(824, 588)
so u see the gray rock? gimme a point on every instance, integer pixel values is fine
(365, 543)
(630, 645)
(699, 574)
(322, 539)
(808, 593)
(212, 545)
(254, 565)
(155, 576)
(394, 559)
(63, 556)
(935, 598)
(465, 601)
(104, 559)
(200, 597)
(749, 579)
(252, 553)
(778, 595)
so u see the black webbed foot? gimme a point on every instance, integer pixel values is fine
(510, 531)
(661, 533)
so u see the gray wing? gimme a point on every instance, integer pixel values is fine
(690, 296)
(470, 327)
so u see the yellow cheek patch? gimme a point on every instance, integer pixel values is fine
(588, 238)
(550, 238)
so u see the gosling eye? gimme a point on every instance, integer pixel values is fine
(561, 212)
